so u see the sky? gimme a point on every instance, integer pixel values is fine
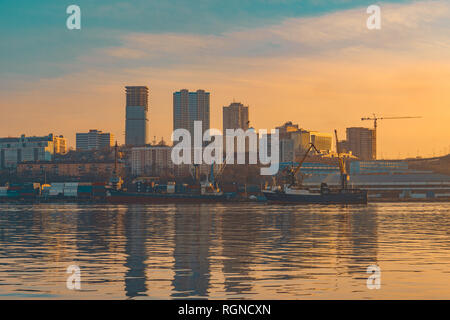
(313, 62)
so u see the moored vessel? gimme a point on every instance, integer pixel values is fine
(296, 193)
(289, 195)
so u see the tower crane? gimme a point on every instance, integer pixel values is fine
(375, 121)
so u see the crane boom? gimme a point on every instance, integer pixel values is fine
(338, 151)
(293, 171)
(375, 119)
(375, 123)
(311, 146)
(343, 170)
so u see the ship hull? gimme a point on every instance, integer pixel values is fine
(155, 198)
(359, 197)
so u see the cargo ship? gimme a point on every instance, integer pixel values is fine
(123, 197)
(292, 195)
(171, 193)
(295, 193)
(199, 192)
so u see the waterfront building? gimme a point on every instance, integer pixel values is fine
(392, 187)
(136, 125)
(74, 169)
(14, 150)
(379, 167)
(94, 140)
(152, 160)
(314, 168)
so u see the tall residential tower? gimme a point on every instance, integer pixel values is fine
(189, 107)
(136, 125)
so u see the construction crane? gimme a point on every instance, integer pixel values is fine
(214, 178)
(375, 119)
(342, 168)
(293, 171)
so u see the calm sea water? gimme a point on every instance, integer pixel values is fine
(225, 251)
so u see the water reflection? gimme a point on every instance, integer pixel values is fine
(238, 235)
(193, 236)
(223, 251)
(135, 225)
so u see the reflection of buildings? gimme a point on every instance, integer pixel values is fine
(192, 244)
(238, 234)
(135, 234)
(357, 241)
(364, 238)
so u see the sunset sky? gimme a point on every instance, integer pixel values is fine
(313, 62)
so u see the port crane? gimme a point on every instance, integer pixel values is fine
(375, 121)
(214, 178)
(342, 167)
(292, 171)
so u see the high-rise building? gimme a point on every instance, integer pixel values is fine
(136, 125)
(94, 140)
(235, 116)
(25, 149)
(362, 143)
(189, 107)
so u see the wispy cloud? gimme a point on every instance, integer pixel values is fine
(323, 72)
(405, 28)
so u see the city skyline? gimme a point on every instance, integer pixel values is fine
(149, 139)
(225, 151)
(319, 67)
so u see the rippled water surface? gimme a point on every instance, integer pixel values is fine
(236, 251)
